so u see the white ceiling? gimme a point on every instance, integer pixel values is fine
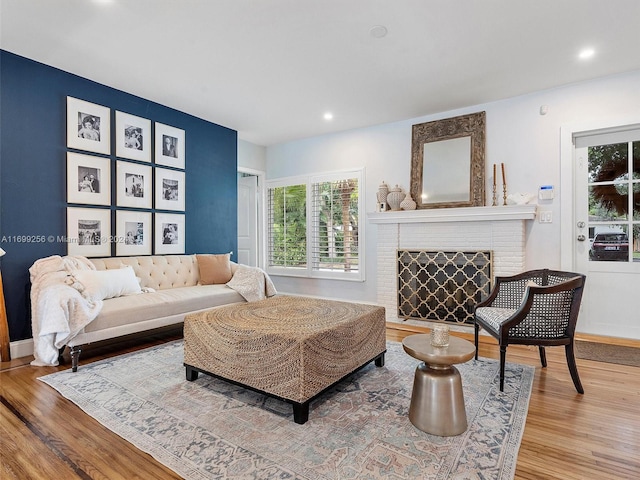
(271, 68)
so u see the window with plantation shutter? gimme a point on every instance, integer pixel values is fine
(335, 225)
(288, 226)
(314, 228)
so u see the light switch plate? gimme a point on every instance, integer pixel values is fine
(545, 216)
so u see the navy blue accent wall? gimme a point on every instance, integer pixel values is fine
(33, 171)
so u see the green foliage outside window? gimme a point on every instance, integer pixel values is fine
(337, 210)
(289, 226)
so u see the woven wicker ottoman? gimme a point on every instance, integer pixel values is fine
(292, 348)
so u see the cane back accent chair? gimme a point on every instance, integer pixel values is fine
(538, 307)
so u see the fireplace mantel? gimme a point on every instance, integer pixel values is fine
(465, 214)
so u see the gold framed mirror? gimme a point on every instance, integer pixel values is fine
(447, 162)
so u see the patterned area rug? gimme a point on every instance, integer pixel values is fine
(359, 430)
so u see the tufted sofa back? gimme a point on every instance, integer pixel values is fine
(157, 271)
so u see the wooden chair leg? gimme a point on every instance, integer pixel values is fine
(573, 368)
(543, 356)
(503, 358)
(475, 337)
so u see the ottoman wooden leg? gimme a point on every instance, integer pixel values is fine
(301, 412)
(191, 373)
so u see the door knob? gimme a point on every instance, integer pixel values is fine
(580, 224)
(581, 238)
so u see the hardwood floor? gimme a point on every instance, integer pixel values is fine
(567, 435)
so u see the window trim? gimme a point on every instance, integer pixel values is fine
(309, 181)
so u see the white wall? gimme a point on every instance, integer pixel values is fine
(251, 156)
(517, 134)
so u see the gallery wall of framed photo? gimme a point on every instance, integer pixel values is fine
(130, 201)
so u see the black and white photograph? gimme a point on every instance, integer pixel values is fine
(88, 179)
(170, 146)
(169, 233)
(170, 189)
(88, 126)
(88, 232)
(133, 186)
(133, 137)
(133, 233)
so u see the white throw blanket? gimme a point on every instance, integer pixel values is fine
(59, 311)
(252, 283)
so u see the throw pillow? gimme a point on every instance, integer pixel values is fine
(214, 269)
(97, 285)
(530, 283)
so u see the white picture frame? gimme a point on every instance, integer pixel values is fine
(133, 137)
(169, 233)
(134, 185)
(170, 146)
(88, 126)
(88, 179)
(89, 232)
(133, 233)
(170, 189)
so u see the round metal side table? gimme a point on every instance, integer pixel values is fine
(437, 401)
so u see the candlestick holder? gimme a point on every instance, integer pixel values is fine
(504, 194)
(495, 196)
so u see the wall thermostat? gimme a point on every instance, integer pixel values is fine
(546, 192)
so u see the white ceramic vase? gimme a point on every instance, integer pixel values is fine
(395, 197)
(381, 196)
(408, 203)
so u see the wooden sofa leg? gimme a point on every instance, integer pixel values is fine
(75, 357)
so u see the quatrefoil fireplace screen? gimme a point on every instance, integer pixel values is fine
(442, 286)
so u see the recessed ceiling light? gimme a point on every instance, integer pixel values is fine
(328, 116)
(586, 53)
(378, 31)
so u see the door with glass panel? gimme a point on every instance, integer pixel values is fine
(607, 231)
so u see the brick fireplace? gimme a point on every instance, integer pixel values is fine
(500, 230)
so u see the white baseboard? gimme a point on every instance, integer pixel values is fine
(21, 348)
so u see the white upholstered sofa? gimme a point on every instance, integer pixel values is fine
(178, 291)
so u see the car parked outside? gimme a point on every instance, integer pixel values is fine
(609, 247)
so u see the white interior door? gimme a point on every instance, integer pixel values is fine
(248, 220)
(607, 230)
